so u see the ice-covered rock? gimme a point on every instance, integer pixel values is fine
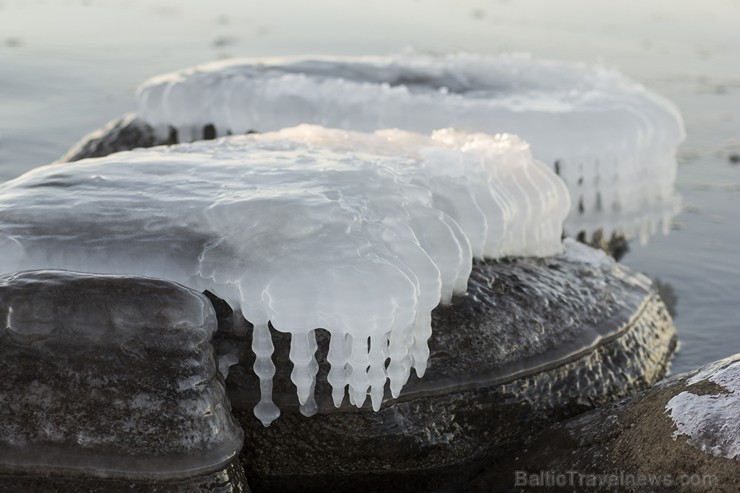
(612, 141)
(533, 341)
(114, 378)
(711, 421)
(680, 435)
(360, 234)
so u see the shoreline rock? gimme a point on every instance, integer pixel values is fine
(639, 437)
(111, 382)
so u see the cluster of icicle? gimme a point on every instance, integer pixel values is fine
(612, 141)
(359, 234)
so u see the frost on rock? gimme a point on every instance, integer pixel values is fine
(359, 234)
(612, 141)
(110, 375)
(710, 421)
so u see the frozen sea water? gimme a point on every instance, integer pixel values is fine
(306, 228)
(612, 141)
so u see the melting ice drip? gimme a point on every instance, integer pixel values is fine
(612, 141)
(359, 234)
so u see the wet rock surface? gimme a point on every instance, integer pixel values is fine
(534, 341)
(640, 443)
(110, 384)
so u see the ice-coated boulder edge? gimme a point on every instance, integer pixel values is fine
(110, 376)
(359, 234)
(710, 421)
(612, 141)
(636, 437)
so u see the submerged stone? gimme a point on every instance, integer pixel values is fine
(681, 435)
(534, 341)
(109, 384)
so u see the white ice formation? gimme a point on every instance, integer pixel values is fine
(359, 234)
(612, 141)
(711, 421)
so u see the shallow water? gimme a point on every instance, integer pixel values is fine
(67, 67)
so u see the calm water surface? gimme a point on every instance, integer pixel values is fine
(67, 67)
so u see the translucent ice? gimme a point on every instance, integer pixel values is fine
(306, 228)
(612, 141)
(110, 375)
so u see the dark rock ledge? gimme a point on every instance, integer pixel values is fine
(534, 342)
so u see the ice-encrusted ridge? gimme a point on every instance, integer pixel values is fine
(612, 141)
(359, 234)
(710, 421)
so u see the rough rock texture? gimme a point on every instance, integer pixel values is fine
(111, 382)
(636, 437)
(533, 342)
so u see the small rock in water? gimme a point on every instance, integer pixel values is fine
(122, 134)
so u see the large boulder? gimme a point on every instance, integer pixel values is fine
(534, 341)
(110, 383)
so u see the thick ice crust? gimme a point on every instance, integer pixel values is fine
(359, 234)
(110, 376)
(612, 141)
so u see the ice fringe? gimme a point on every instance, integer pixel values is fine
(612, 141)
(359, 234)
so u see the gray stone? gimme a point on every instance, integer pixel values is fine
(110, 383)
(534, 341)
(122, 134)
(645, 438)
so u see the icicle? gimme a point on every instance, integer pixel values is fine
(338, 358)
(420, 351)
(377, 374)
(309, 408)
(359, 362)
(303, 363)
(266, 410)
